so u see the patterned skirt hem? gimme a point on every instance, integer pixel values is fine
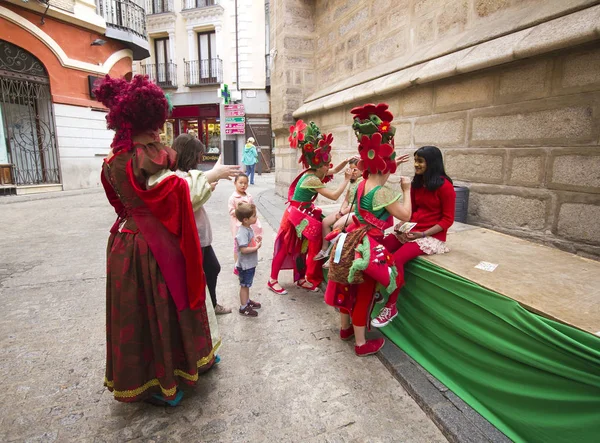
(139, 393)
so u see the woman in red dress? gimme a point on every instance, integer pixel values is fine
(433, 202)
(157, 329)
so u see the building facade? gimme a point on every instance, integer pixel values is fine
(199, 46)
(509, 90)
(53, 134)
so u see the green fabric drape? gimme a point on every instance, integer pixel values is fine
(535, 379)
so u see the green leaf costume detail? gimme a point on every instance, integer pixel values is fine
(304, 248)
(300, 227)
(384, 196)
(392, 286)
(312, 182)
(360, 264)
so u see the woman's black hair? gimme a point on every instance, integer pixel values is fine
(435, 173)
(187, 147)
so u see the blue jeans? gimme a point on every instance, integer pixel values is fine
(250, 172)
(246, 276)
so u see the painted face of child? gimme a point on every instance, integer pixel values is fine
(241, 184)
(323, 170)
(356, 173)
(420, 165)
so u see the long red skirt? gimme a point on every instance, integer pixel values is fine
(151, 348)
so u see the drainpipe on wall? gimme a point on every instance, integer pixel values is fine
(237, 53)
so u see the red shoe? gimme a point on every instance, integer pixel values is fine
(370, 347)
(385, 317)
(307, 286)
(347, 334)
(281, 291)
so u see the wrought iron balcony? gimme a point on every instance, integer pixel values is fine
(203, 72)
(163, 74)
(268, 70)
(123, 14)
(194, 4)
(159, 6)
(126, 21)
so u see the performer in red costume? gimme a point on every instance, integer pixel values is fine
(300, 232)
(433, 201)
(157, 329)
(360, 262)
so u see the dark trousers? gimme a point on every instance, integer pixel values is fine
(211, 267)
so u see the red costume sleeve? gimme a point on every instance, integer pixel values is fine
(448, 203)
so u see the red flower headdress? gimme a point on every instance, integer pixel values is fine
(316, 147)
(375, 135)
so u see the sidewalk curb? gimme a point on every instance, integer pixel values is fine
(457, 421)
(10, 199)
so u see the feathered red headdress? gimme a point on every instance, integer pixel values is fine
(133, 107)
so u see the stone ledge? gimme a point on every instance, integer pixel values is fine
(494, 52)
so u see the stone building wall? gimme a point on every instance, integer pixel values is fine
(521, 130)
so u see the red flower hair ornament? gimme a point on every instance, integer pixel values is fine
(296, 134)
(375, 134)
(374, 156)
(311, 157)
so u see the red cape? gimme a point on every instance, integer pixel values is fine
(169, 201)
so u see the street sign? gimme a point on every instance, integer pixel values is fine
(234, 126)
(235, 131)
(236, 110)
(235, 120)
(234, 113)
(235, 107)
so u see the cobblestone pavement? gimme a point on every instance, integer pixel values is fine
(285, 376)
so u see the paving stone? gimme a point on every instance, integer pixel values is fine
(269, 386)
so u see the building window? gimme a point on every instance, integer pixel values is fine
(207, 55)
(162, 57)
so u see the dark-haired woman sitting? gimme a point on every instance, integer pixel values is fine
(433, 201)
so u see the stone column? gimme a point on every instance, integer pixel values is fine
(172, 54)
(192, 53)
(292, 77)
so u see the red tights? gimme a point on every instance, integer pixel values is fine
(314, 270)
(364, 298)
(407, 252)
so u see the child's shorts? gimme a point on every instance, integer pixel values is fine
(246, 276)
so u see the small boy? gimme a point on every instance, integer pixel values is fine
(247, 247)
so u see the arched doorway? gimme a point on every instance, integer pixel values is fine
(27, 130)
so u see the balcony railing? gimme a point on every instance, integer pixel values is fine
(193, 4)
(203, 72)
(158, 6)
(124, 14)
(163, 74)
(268, 69)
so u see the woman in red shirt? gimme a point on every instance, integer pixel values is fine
(433, 200)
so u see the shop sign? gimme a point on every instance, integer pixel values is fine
(210, 157)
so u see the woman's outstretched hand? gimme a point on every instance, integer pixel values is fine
(402, 159)
(224, 172)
